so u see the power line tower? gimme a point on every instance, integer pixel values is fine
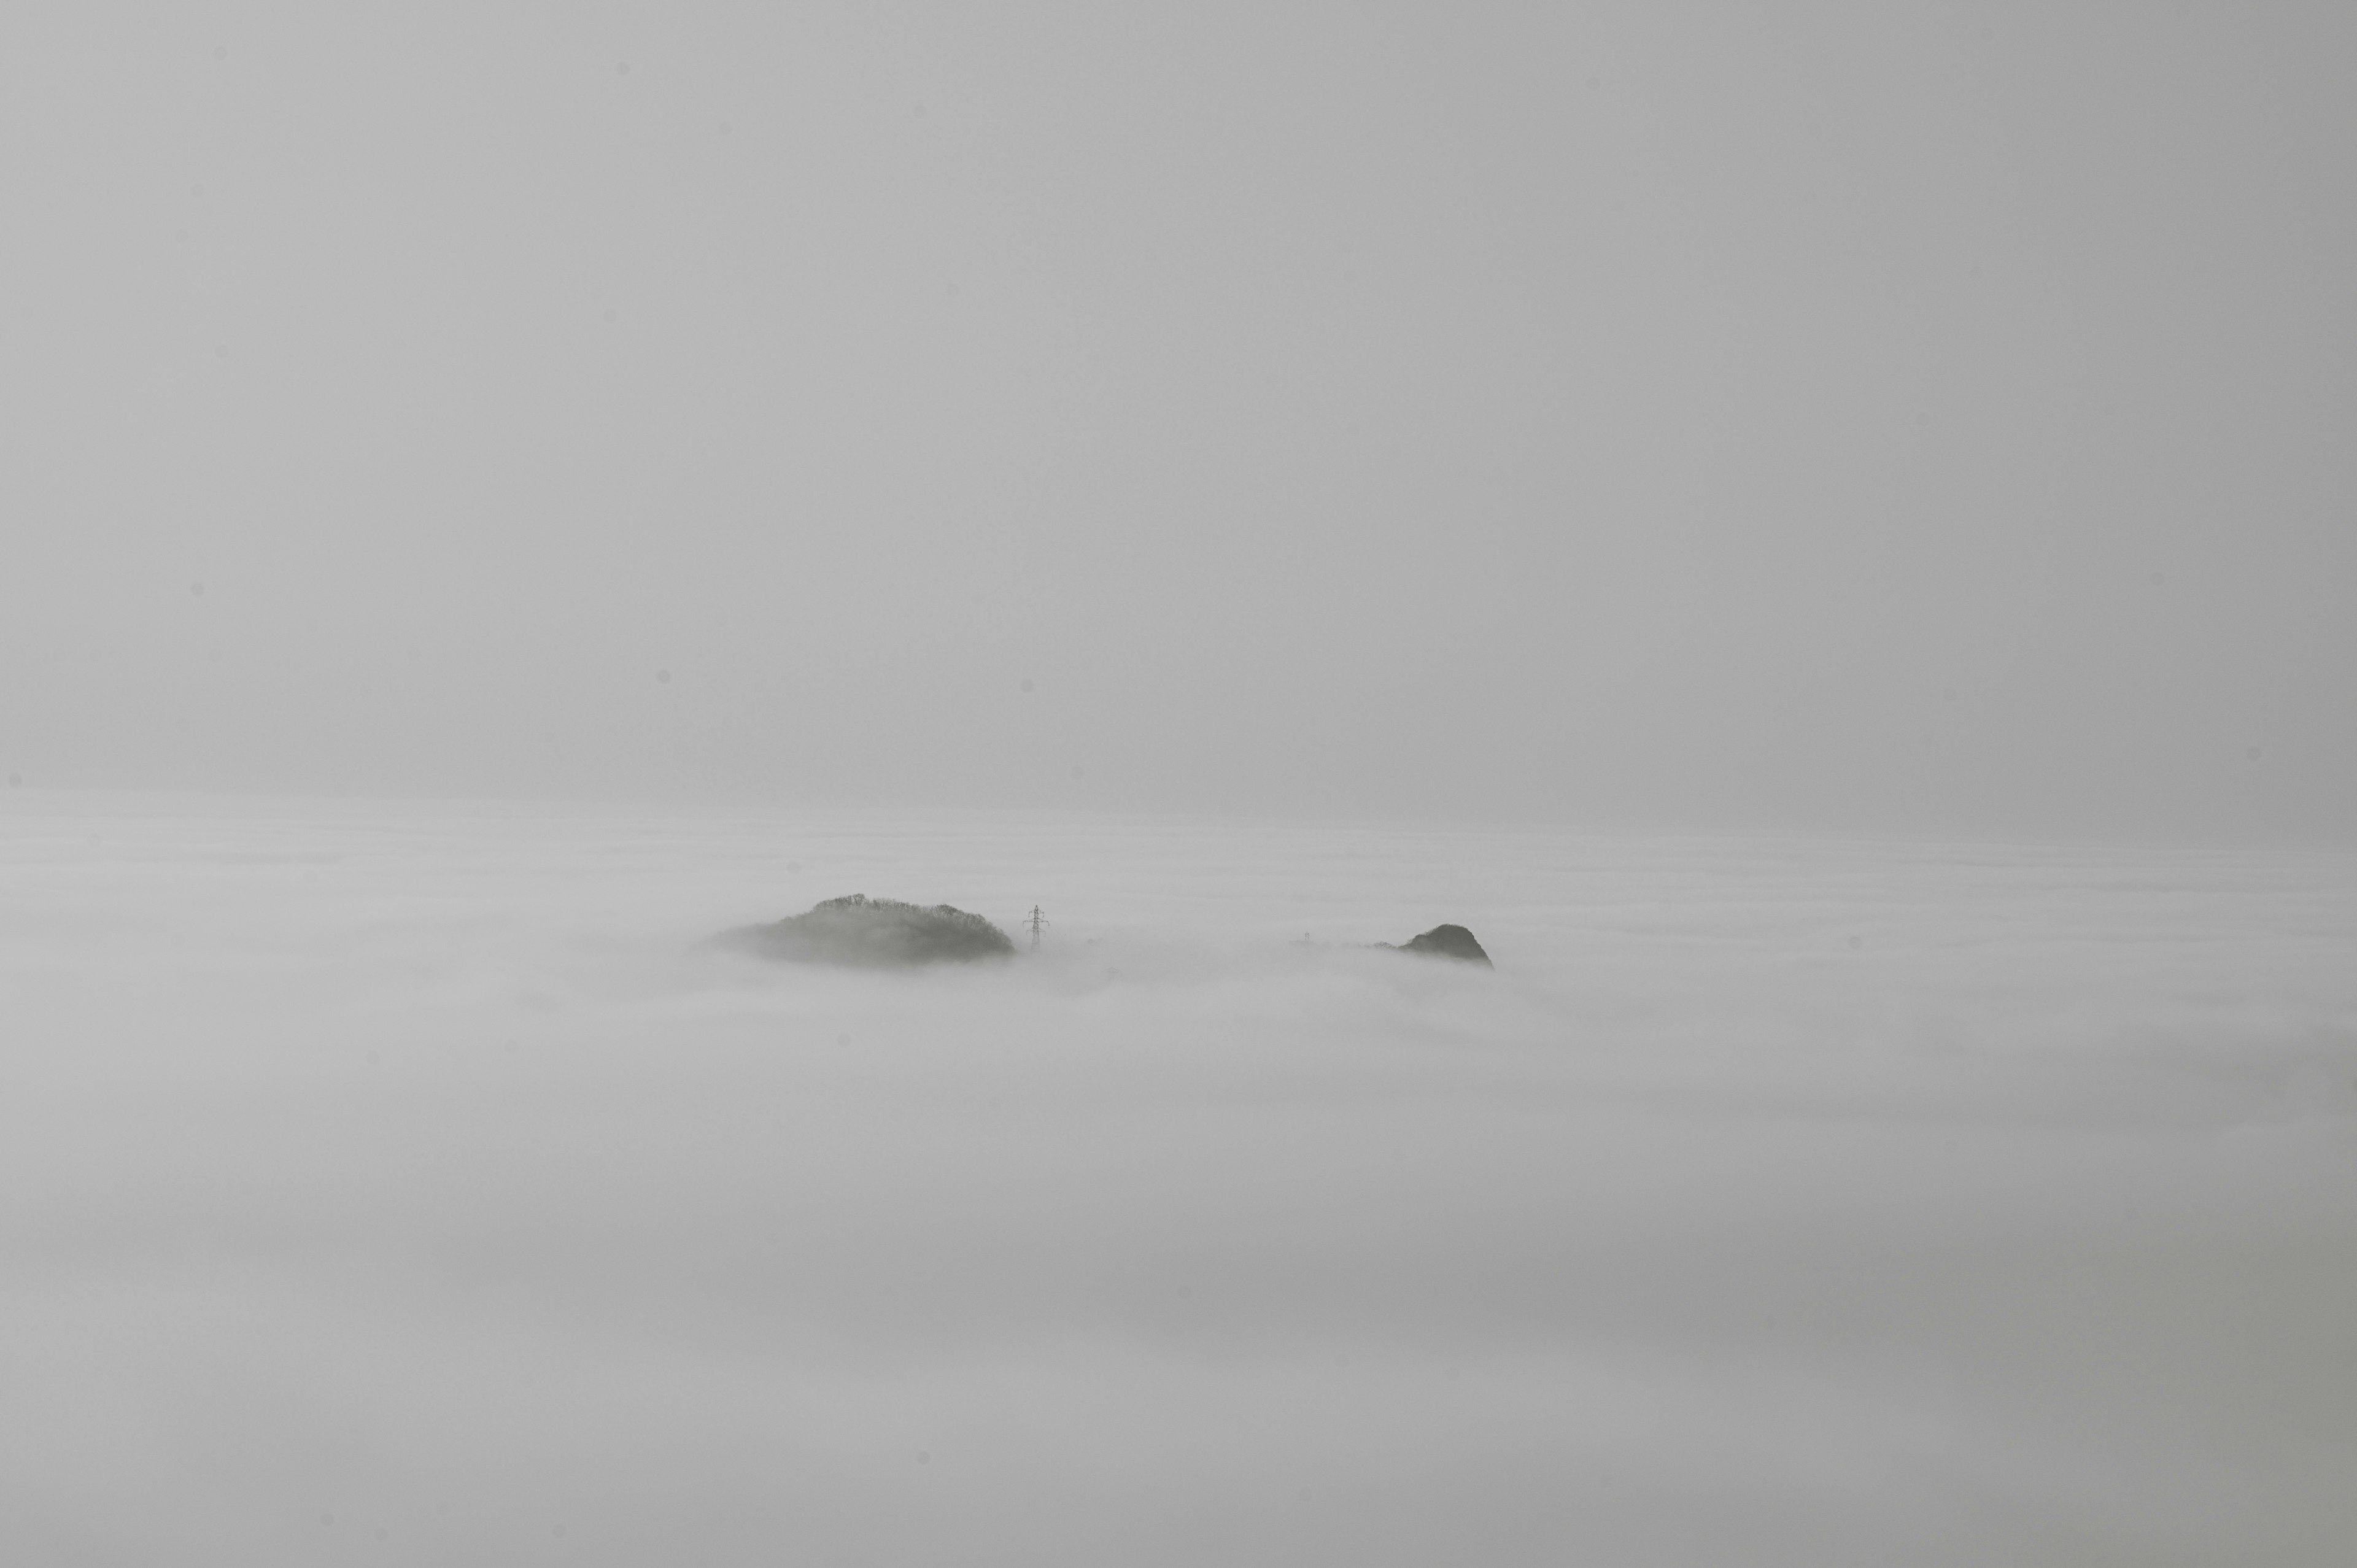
(1038, 922)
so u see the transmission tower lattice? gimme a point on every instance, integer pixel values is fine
(1036, 923)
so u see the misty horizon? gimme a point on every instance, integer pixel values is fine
(1155, 785)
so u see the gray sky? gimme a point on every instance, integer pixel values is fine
(1763, 417)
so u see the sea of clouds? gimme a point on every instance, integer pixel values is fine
(404, 1185)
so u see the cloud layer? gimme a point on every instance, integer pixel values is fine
(402, 1186)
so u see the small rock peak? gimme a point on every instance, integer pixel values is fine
(874, 933)
(1448, 942)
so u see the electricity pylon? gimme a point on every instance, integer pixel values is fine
(1038, 922)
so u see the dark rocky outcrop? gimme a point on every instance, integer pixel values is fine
(877, 933)
(1446, 941)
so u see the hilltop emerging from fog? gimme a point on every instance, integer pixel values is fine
(885, 934)
(874, 933)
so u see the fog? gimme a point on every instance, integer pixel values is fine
(1930, 421)
(1822, 536)
(402, 1184)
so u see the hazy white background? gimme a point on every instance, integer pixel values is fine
(1823, 534)
(1802, 415)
